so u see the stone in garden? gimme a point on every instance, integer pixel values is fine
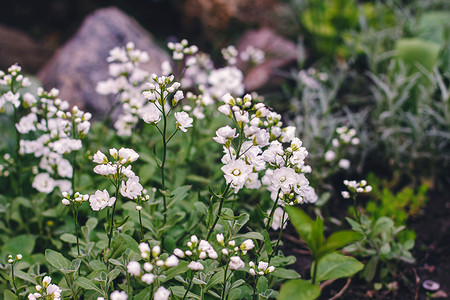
(18, 47)
(216, 16)
(76, 68)
(279, 52)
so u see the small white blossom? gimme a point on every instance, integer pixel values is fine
(183, 120)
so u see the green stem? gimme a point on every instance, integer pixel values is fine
(18, 163)
(356, 210)
(254, 288)
(113, 211)
(190, 285)
(222, 198)
(269, 221)
(75, 220)
(13, 278)
(315, 272)
(279, 237)
(142, 229)
(163, 162)
(225, 279)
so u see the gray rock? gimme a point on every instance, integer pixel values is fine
(279, 52)
(18, 47)
(76, 68)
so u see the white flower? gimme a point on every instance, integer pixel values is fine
(178, 252)
(225, 134)
(344, 164)
(161, 294)
(288, 134)
(277, 219)
(195, 266)
(100, 200)
(43, 183)
(27, 123)
(148, 278)
(100, 158)
(345, 194)
(284, 178)
(247, 245)
(134, 268)
(151, 114)
(145, 250)
(127, 155)
(171, 261)
(236, 173)
(117, 295)
(330, 155)
(236, 263)
(177, 97)
(183, 120)
(132, 189)
(220, 238)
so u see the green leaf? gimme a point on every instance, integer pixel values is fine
(251, 235)
(302, 223)
(8, 295)
(285, 273)
(179, 291)
(121, 243)
(144, 294)
(23, 244)
(97, 265)
(339, 240)
(299, 290)
(88, 284)
(371, 268)
(267, 242)
(414, 50)
(180, 269)
(25, 276)
(383, 224)
(57, 260)
(261, 285)
(335, 265)
(68, 238)
(317, 235)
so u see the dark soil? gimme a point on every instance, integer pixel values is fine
(431, 251)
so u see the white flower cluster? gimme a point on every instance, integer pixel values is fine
(198, 103)
(56, 130)
(230, 54)
(311, 78)
(262, 269)
(46, 291)
(263, 150)
(15, 80)
(181, 49)
(158, 94)
(5, 169)
(253, 55)
(16, 259)
(153, 267)
(230, 248)
(116, 295)
(355, 188)
(128, 81)
(77, 199)
(199, 249)
(118, 169)
(344, 137)
(277, 219)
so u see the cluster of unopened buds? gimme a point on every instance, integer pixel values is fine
(181, 49)
(12, 260)
(262, 269)
(4, 169)
(153, 266)
(345, 136)
(77, 199)
(355, 188)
